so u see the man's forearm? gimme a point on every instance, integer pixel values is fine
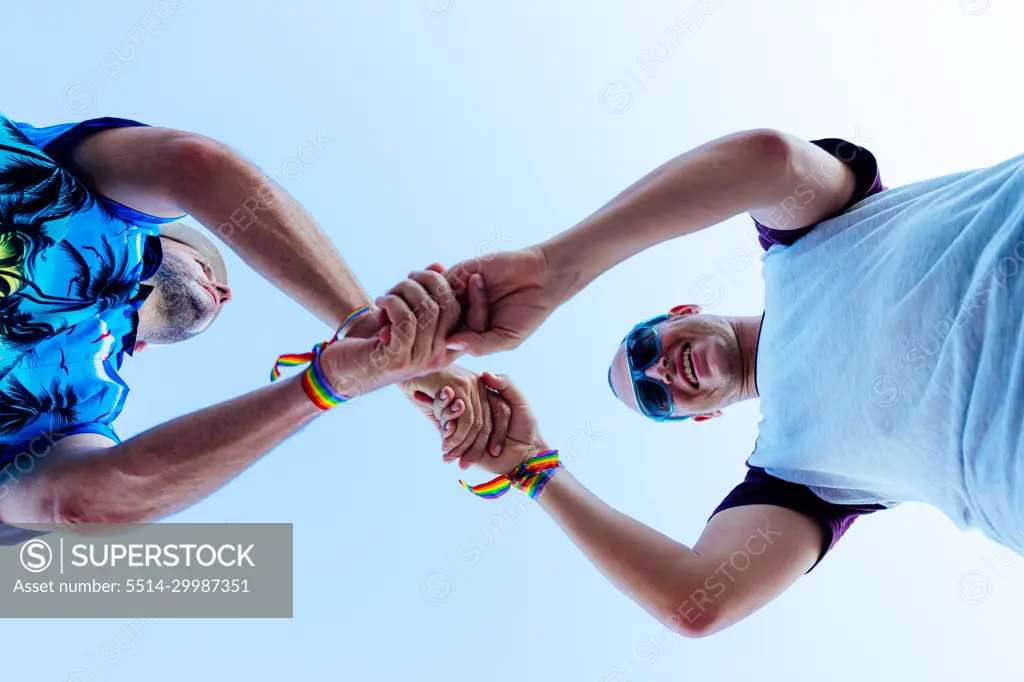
(703, 187)
(169, 467)
(645, 565)
(270, 231)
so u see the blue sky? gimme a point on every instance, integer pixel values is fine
(447, 129)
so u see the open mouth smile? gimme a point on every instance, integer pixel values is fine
(684, 365)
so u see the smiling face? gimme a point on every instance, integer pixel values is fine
(186, 296)
(699, 362)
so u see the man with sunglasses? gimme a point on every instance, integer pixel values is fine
(887, 362)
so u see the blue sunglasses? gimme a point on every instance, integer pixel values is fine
(643, 347)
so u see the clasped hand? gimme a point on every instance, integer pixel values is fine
(419, 328)
(517, 435)
(403, 337)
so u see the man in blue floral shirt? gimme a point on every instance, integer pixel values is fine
(71, 281)
(95, 263)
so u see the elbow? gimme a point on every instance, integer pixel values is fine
(702, 627)
(197, 160)
(768, 164)
(41, 507)
(767, 149)
(692, 615)
(90, 519)
(693, 625)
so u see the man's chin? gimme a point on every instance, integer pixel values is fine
(209, 323)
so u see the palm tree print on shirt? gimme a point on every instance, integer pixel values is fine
(20, 407)
(65, 259)
(34, 194)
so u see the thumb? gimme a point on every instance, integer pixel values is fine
(509, 391)
(475, 343)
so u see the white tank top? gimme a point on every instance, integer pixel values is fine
(891, 356)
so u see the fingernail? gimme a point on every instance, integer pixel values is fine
(456, 347)
(456, 409)
(496, 450)
(479, 282)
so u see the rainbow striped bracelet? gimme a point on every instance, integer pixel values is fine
(314, 382)
(531, 476)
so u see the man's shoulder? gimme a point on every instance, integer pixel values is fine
(867, 183)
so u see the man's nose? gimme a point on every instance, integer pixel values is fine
(223, 293)
(659, 371)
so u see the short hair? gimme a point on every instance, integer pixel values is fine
(610, 380)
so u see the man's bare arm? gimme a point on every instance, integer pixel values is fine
(784, 182)
(87, 480)
(167, 173)
(745, 557)
(174, 465)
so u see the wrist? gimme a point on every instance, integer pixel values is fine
(556, 483)
(343, 373)
(539, 447)
(529, 453)
(364, 327)
(566, 265)
(322, 389)
(534, 474)
(306, 409)
(531, 475)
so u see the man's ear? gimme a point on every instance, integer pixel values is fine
(705, 417)
(684, 310)
(140, 345)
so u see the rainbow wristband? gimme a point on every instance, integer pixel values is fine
(531, 476)
(316, 386)
(314, 383)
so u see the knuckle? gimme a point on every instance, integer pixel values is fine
(446, 298)
(427, 307)
(435, 280)
(445, 294)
